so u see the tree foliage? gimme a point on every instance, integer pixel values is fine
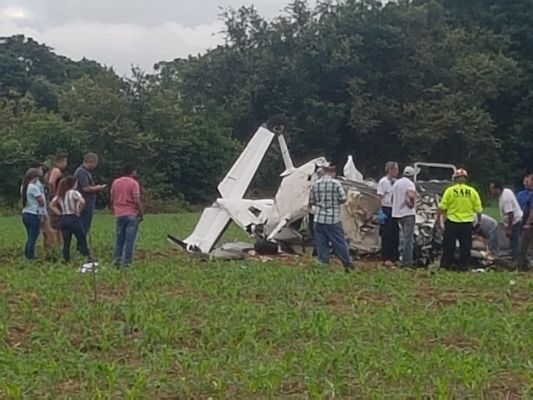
(411, 80)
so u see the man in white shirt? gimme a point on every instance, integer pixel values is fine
(388, 230)
(511, 215)
(403, 210)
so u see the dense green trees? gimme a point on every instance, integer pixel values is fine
(433, 80)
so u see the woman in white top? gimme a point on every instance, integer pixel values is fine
(68, 203)
(32, 201)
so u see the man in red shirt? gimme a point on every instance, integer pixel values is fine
(127, 207)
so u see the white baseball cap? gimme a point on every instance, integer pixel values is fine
(409, 171)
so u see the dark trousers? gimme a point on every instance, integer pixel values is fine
(514, 241)
(71, 225)
(454, 231)
(334, 234)
(390, 237)
(32, 223)
(525, 245)
(86, 219)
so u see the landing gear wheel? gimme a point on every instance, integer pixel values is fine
(278, 124)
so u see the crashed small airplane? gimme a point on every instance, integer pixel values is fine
(282, 224)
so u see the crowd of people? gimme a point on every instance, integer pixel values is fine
(462, 211)
(62, 206)
(460, 216)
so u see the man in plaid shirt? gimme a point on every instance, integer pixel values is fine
(327, 194)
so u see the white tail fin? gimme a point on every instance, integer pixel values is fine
(351, 172)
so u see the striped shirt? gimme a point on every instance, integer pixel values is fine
(327, 194)
(69, 204)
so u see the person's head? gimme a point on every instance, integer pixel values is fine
(392, 169)
(330, 171)
(61, 161)
(90, 161)
(66, 184)
(38, 166)
(130, 170)
(460, 175)
(496, 188)
(528, 182)
(409, 172)
(33, 174)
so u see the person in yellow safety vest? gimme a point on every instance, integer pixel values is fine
(459, 203)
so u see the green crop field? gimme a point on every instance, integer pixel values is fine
(177, 328)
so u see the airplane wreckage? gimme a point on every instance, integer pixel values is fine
(282, 225)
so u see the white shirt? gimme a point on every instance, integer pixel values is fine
(399, 198)
(69, 204)
(385, 191)
(508, 204)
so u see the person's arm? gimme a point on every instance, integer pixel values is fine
(527, 212)
(508, 215)
(312, 197)
(341, 193)
(138, 203)
(411, 196)
(510, 220)
(93, 189)
(52, 179)
(85, 184)
(443, 206)
(381, 194)
(53, 206)
(112, 198)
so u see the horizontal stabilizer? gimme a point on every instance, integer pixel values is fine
(236, 182)
(211, 226)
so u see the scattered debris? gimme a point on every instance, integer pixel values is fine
(89, 267)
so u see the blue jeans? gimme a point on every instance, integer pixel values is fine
(334, 234)
(407, 226)
(71, 226)
(514, 241)
(126, 228)
(86, 217)
(494, 243)
(32, 223)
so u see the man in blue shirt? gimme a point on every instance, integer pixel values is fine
(524, 196)
(527, 223)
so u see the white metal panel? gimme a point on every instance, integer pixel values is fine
(236, 182)
(239, 211)
(292, 198)
(212, 224)
(351, 172)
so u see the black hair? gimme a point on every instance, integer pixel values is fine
(36, 165)
(128, 169)
(498, 184)
(61, 157)
(25, 183)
